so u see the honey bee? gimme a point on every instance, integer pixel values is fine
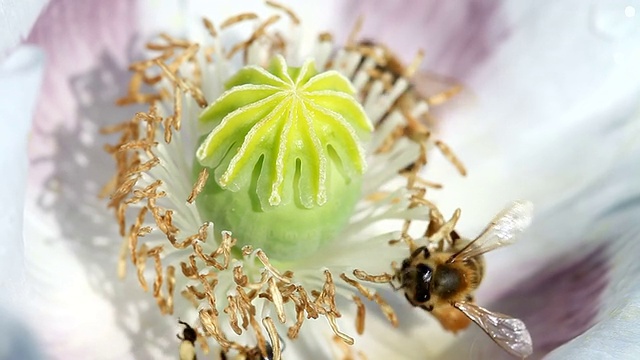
(187, 350)
(442, 281)
(250, 354)
(254, 353)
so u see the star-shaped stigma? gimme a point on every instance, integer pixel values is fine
(284, 128)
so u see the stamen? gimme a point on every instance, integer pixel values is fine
(346, 352)
(210, 28)
(175, 42)
(246, 250)
(387, 310)
(122, 259)
(256, 34)
(199, 185)
(276, 297)
(262, 342)
(245, 304)
(239, 277)
(154, 177)
(446, 151)
(363, 290)
(265, 261)
(273, 336)
(232, 310)
(294, 18)
(444, 96)
(415, 64)
(140, 263)
(362, 275)
(237, 19)
(360, 315)
(444, 232)
(293, 331)
(203, 342)
(334, 326)
(208, 291)
(209, 320)
(183, 84)
(357, 27)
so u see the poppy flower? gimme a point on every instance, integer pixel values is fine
(546, 112)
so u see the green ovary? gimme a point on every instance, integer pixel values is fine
(288, 231)
(283, 147)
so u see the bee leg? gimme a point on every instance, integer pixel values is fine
(394, 287)
(454, 237)
(394, 267)
(428, 308)
(395, 278)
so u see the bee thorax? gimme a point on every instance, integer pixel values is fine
(447, 281)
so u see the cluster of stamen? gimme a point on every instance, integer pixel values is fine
(161, 224)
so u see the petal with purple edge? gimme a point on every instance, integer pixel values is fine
(79, 304)
(554, 108)
(572, 110)
(17, 18)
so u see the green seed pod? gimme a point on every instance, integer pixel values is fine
(284, 146)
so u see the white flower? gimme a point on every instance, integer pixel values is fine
(22, 69)
(522, 134)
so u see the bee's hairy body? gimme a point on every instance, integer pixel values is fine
(430, 281)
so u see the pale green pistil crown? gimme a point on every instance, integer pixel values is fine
(284, 146)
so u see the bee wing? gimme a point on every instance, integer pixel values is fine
(501, 231)
(509, 333)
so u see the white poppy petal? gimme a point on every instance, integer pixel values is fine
(17, 340)
(616, 331)
(535, 98)
(17, 17)
(456, 36)
(20, 78)
(68, 224)
(590, 289)
(615, 328)
(79, 305)
(554, 108)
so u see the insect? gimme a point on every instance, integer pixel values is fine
(254, 353)
(442, 281)
(187, 349)
(250, 354)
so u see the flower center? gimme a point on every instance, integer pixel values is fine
(279, 162)
(285, 147)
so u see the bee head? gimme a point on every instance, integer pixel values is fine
(188, 334)
(423, 275)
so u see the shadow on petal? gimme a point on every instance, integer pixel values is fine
(558, 303)
(86, 235)
(457, 36)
